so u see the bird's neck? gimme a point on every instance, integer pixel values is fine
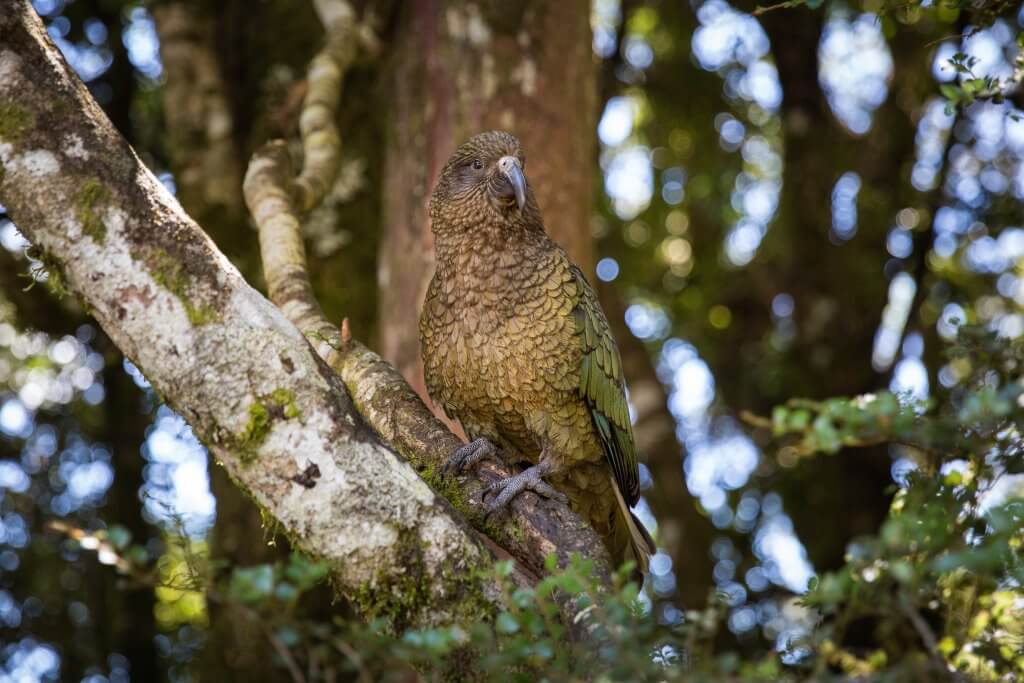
(500, 255)
(489, 240)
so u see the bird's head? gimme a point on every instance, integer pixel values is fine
(484, 180)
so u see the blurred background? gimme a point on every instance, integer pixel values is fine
(803, 202)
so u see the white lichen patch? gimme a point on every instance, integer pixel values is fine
(467, 27)
(74, 148)
(9, 62)
(259, 313)
(37, 163)
(437, 535)
(120, 289)
(334, 12)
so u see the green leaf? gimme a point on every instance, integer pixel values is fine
(779, 420)
(304, 572)
(902, 571)
(119, 536)
(286, 592)
(288, 636)
(973, 86)
(506, 623)
(252, 584)
(825, 435)
(503, 568)
(799, 419)
(951, 92)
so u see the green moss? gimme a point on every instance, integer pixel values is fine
(285, 400)
(401, 601)
(447, 487)
(87, 202)
(517, 532)
(255, 432)
(452, 491)
(169, 274)
(279, 403)
(14, 121)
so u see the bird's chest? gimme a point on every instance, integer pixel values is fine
(496, 353)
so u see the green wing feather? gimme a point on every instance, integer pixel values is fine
(601, 386)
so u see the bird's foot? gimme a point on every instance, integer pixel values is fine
(467, 456)
(529, 479)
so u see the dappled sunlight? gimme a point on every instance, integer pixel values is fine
(855, 68)
(819, 244)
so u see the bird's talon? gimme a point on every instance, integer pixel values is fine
(467, 455)
(509, 487)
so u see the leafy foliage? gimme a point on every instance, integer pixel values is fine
(940, 584)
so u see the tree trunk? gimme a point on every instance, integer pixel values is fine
(459, 69)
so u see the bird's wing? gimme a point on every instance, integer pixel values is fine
(601, 386)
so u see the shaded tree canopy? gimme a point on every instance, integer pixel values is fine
(804, 222)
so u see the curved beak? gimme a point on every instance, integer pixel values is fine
(513, 172)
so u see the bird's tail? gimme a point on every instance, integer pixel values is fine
(641, 545)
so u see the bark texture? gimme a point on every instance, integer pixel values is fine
(215, 349)
(461, 68)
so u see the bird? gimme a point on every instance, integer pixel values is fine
(515, 346)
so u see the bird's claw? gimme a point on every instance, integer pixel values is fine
(467, 456)
(530, 479)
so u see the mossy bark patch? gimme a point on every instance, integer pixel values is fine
(170, 274)
(88, 203)
(279, 404)
(399, 601)
(14, 121)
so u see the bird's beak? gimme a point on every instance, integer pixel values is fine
(513, 172)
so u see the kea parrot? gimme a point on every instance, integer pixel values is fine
(516, 347)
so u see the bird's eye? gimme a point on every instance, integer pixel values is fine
(477, 164)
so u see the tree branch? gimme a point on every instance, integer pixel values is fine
(217, 351)
(537, 527)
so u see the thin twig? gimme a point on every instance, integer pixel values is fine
(354, 657)
(762, 9)
(283, 652)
